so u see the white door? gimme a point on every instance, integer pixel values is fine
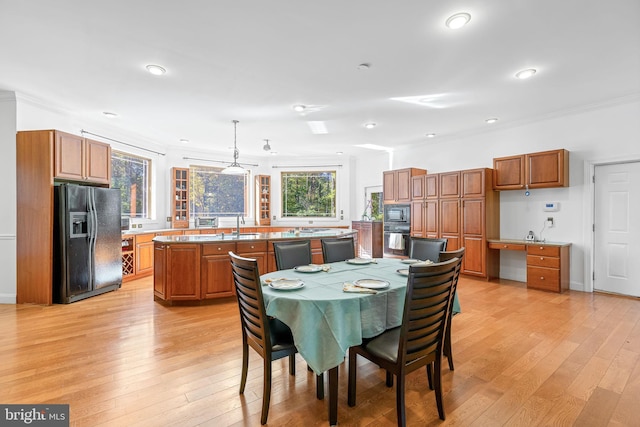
(617, 228)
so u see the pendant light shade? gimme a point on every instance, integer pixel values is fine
(234, 168)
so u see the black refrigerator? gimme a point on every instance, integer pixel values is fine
(87, 242)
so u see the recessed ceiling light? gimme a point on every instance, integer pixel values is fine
(339, 153)
(299, 108)
(317, 127)
(110, 115)
(458, 20)
(156, 70)
(491, 120)
(525, 74)
(184, 141)
(364, 66)
(370, 125)
(431, 135)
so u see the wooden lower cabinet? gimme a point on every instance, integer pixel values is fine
(202, 271)
(548, 267)
(144, 254)
(217, 281)
(370, 238)
(450, 223)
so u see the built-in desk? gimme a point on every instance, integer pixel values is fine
(547, 263)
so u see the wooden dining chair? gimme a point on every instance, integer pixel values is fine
(292, 254)
(341, 249)
(424, 248)
(419, 340)
(289, 255)
(445, 256)
(269, 337)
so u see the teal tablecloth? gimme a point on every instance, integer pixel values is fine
(326, 321)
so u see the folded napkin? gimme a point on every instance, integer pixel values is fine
(350, 287)
(325, 267)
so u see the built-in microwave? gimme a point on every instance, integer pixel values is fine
(397, 214)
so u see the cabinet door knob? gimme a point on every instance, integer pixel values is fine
(541, 277)
(219, 249)
(542, 248)
(505, 246)
(541, 258)
(252, 246)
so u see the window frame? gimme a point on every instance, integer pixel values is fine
(336, 216)
(217, 169)
(148, 199)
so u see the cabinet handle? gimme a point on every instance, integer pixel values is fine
(252, 246)
(219, 249)
(542, 248)
(541, 277)
(506, 246)
(541, 258)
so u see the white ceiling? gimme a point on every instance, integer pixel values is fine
(252, 60)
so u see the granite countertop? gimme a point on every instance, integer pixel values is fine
(232, 237)
(527, 242)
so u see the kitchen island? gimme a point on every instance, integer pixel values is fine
(196, 268)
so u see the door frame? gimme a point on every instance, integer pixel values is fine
(590, 210)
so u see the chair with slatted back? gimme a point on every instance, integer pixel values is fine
(419, 340)
(341, 249)
(269, 337)
(292, 254)
(425, 248)
(445, 256)
(289, 255)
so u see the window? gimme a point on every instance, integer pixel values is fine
(215, 194)
(131, 175)
(309, 194)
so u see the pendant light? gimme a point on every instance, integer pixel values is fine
(234, 168)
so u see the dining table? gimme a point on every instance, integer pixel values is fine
(332, 307)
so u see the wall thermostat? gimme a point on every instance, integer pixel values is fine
(551, 207)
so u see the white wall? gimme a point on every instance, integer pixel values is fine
(591, 135)
(8, 213)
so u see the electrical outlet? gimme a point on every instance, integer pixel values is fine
(549, 222)
(168, 219)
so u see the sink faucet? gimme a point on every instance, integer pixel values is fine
(239, 218)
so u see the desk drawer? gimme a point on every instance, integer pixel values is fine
(251, 247)
(543, 261)
(547, 279)
(507, 246)
(543, 250)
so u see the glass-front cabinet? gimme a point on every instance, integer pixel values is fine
(180, 198)
(263, 200)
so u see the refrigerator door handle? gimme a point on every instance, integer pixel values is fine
(92, 218)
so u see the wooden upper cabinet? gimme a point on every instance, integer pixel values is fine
(81, 159)
(508, 173)
(396, 184)
(545, 169)
(98, 161)
(474, 182)
(431, 183)
(417, 187)
(548, 169)
(450, 184)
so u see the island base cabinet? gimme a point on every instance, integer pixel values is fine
(176, 272)
(217, 279)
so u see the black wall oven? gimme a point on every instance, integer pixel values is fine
(397, 229)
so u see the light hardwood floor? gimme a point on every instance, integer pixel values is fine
(522, 357)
